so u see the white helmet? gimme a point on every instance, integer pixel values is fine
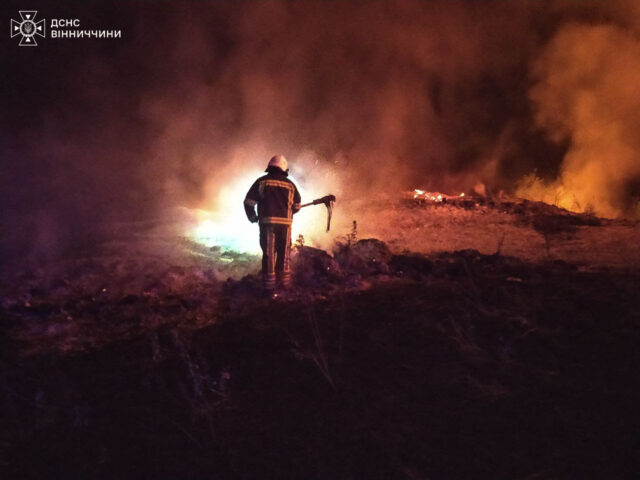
(280, 162)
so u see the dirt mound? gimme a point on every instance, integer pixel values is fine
(527, 211)
(312, 266)
(368, 256)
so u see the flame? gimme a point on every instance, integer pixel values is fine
(531, 187)
(436, 197)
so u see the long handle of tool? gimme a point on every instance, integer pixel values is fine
(306, 204)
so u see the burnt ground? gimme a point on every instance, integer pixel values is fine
(377, 366)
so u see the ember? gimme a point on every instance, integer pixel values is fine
(436, 197)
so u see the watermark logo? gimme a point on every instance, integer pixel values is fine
(28, 28)
(59, 28)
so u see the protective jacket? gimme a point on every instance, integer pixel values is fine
(276, 196)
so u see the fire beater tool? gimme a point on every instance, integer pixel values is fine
(327, 200)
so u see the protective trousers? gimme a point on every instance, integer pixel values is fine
(275, 241)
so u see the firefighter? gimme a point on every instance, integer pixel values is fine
(277, 199)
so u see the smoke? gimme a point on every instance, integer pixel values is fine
(364, 98)
(386, 92)
(587, 93)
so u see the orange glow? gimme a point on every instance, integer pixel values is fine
(223, 221)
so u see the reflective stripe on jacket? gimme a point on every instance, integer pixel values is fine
(277, 199)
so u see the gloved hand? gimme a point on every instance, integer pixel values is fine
(253, 218)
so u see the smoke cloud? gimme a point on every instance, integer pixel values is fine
(364, 98)
(588, 94)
